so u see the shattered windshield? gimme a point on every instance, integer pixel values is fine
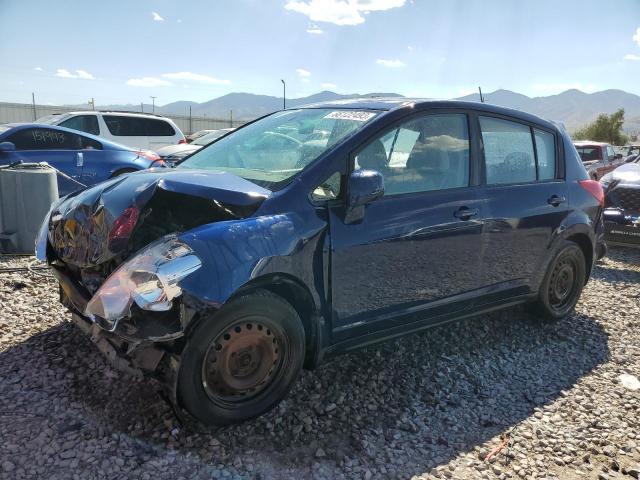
(272, 150)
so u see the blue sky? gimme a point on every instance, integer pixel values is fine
(124, 51)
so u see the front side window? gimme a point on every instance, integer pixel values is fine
(508, 151)
(421, 155)
(45, 139)
(83, 123)
(271, 151)
(611, 153)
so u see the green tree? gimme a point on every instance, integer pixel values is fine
(606, 128)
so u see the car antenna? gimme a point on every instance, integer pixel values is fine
(481, 97)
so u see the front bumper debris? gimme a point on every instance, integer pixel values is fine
(124, 356)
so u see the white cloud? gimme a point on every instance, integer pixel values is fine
(328, 85)
(195, 77)
(410, 48)
(81, 74)
(302, 72)
(148, 82)
(156, 17)
(314, 30)
(85, 75)
(390, 63)
(340, 12)
(179, 20)
(554, 88)
(632, 57)
(636, 36)
(38, 69)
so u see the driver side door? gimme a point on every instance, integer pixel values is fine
(417, 249)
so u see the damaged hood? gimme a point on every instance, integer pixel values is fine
(111, 220)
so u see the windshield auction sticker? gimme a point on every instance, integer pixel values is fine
(358, 116)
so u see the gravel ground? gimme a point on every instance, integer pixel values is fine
(495, 396)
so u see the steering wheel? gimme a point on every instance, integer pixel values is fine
(285, 136)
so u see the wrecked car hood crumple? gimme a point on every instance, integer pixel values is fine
(154, 203)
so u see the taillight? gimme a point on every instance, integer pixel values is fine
(595, 189)
(122, 228)
(149, 155)
(182, 140)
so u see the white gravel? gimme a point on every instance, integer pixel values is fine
(559, 399)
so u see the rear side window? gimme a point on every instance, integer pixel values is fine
(84, 123)
(123, 126)
(589, 154)
(158, 128)
(48, 139)
(546, 150)
(508, 151)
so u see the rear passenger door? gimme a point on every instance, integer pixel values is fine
(526, 201)
(59, 149)
(127, 130)
(417, 246)
(160, 133)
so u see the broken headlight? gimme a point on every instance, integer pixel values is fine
(150, 279)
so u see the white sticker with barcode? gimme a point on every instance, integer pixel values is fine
(358, 116)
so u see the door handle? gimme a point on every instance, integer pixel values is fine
(80, 159)
(465, 213)
(555, 200)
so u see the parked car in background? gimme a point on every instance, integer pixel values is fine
(174, 154)
(136, 130)
(598, 158)
(198, 134)
(86, 159)
(632, 153)
(622, 204)
(258, 255)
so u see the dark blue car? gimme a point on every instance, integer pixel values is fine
(313, 231)
(85, 158)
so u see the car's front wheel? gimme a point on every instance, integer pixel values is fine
(242, 361)
(562, 284)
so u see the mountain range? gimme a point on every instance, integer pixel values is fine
(573, 107)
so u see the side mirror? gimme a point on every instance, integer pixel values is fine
(7, 147)
(617, 156)
(365, 186)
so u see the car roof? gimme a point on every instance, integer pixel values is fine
(110, 144)
(124, 113)
(586, 143)
(396, 103)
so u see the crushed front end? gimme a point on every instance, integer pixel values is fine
(622, 206)
(119, 260)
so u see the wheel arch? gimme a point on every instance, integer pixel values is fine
(298, 295)
(587, 247)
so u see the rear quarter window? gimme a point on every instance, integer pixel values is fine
(158, 128)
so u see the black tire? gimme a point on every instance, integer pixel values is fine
(562, 285)
(241, 362)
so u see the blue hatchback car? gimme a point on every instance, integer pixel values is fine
(316, 230)
(85, 158)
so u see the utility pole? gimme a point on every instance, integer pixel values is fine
(230, 118)
(92, 102)
(284, 94)
(153, 103)
(141, 107)
(190, 122)
(33, 102)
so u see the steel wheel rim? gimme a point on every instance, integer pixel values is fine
(562, 285)
(241, 361)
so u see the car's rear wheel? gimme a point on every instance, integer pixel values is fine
(562, 284)
(242, 361)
